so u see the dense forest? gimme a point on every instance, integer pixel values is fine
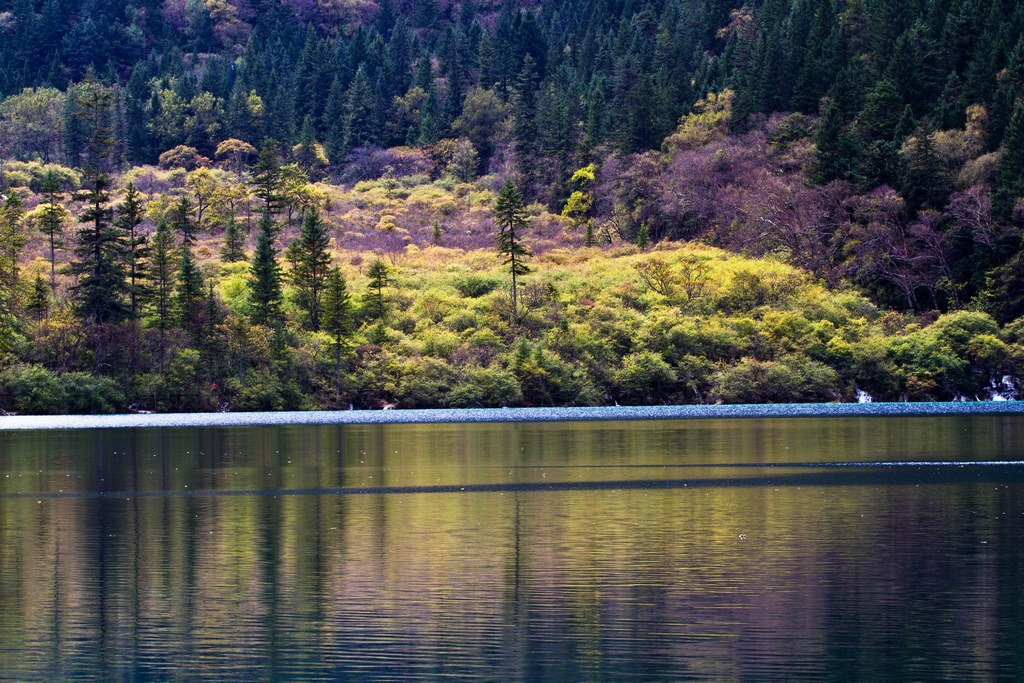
(260, 204)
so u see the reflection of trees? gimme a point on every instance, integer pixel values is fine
(580, 584)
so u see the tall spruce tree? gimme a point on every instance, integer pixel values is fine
(1010, 173)
(265, 280)
(180, 218)
(52, 217)
(233, 249)
(337, 321)
(13, 238)
(310, 265)
(266, 177)
(102, 287)
(188, 292)
(161, 279)
(358, 130)
(380, 277)
(129, 219)
(510, 214)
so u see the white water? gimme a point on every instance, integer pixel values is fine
(1003, 390)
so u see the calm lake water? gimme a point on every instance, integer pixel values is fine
(870, 548)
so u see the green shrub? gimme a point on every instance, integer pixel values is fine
(486, 388)
(475, 286)
(794, 379)
(91, 395)
(32, 390)
(425, 383)
(644, 379)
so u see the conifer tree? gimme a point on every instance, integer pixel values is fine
(188, 292)
(180, 219)
(38, 304)
(310, 263)
(233, 249)
(266, 177)
(524, 126)
(1010, 173)
(337, 321)
(358, 128)
(129, 220)
(102, 287)
(510, 214)
(265, 280)
(52, 216)
(13, 238)
(380, 277)
(161, 277)
(836, 149)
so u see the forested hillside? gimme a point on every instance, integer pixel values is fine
(185, 171)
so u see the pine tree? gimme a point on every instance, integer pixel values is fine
(337, 321)
(161, 278)
(333, 122)
(1010, 172)
(925, 182)
(102, 287)
(310, 263)
(836, 149)
(306, 157)
(265, 281)
(188, 292)
(180, 219)
(234, 243)
(52, 216)
(129, 220)
(38, 304)
(13, 238)
(380, 277)
(524, 126)
(643, 236)
(266, 177)
(510, 214)
(358, 130)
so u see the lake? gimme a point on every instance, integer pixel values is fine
(855, 546)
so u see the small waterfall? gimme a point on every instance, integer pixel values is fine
(863, 396)
(1003, 390)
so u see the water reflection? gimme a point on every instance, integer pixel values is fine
(834, 578)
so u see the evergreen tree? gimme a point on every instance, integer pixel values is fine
(306, 156)
(1010, 172)
(337, 321)
(510, 214)
(180, 219)
(52, 216)
(643, 236)
(310, 263)
(188, 292)
(925, 182)
(162, 279)
(38, 304)
(233, 249)
(102, 288)
(333, 123)
(380, 277)
(265, 280)
(13, 238)
(836, 148)
(266, 177)
(129, 219)
(358, 130)
(524, 126)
